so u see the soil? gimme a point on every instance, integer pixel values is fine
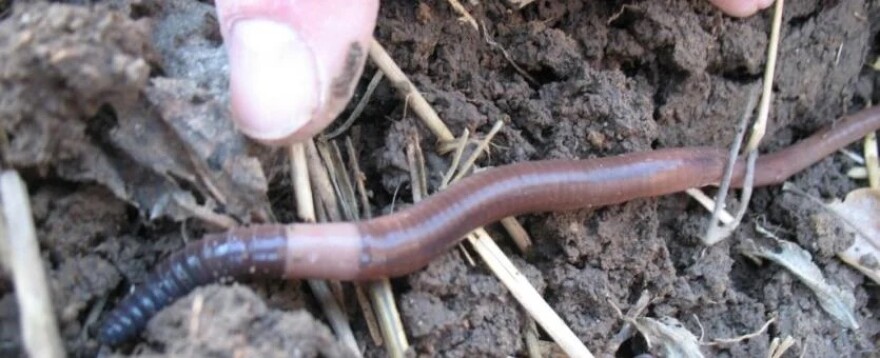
(115, 114)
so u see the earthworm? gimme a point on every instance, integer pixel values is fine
(400, 243)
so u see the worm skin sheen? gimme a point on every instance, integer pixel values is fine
(400, 243)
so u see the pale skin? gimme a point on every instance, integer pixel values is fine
(293, 63)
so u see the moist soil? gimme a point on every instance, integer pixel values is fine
(116, 114)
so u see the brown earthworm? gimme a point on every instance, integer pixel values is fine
(405, 241)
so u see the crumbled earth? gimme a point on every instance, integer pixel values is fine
(235, 322)
(116, 115)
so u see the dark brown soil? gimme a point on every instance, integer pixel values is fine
(115, 115)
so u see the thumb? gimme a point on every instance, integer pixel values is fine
(741, 8)
(293, 63)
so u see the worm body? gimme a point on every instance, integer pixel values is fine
(405, 241)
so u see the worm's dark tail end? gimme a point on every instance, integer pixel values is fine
(255, 251)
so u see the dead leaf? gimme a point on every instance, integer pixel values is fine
(860, 212)
(836, 302)
(218, 152)
(76, 103)
(670, 335)
(876, 64)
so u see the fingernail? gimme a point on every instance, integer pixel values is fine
(274, 79)
(763, 4)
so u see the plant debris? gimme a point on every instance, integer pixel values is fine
(860, 211)
(836, 302)
(152, 142)
(667, 333)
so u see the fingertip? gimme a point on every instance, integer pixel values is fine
(273, 80)
(285, 90)
(741, 8)
(763, 4)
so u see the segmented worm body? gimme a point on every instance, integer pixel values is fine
(405, 241)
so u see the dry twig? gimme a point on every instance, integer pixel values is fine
(779, 347)
(419, 105)
(39, 330)
(389, 320)
(525, 293)
(852, 156)
(484, 144)
(369, 316)
(303, 196)
(517, 233)
(533, 346)
(520, 3)
(465, 15)
(760, 331)
(520, 70)
(628, 329)
(303, 191)
(418, 177)
(456, 159)
(521, 289)
(380, 293)
(710, 205)
(201, 212)
(871, 161)
(716, 233)
(760, 126)
(358, 109)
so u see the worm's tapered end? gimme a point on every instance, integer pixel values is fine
(112, 334)
(117, 329)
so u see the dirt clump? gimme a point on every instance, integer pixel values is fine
(60, 64)
(234, 321)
